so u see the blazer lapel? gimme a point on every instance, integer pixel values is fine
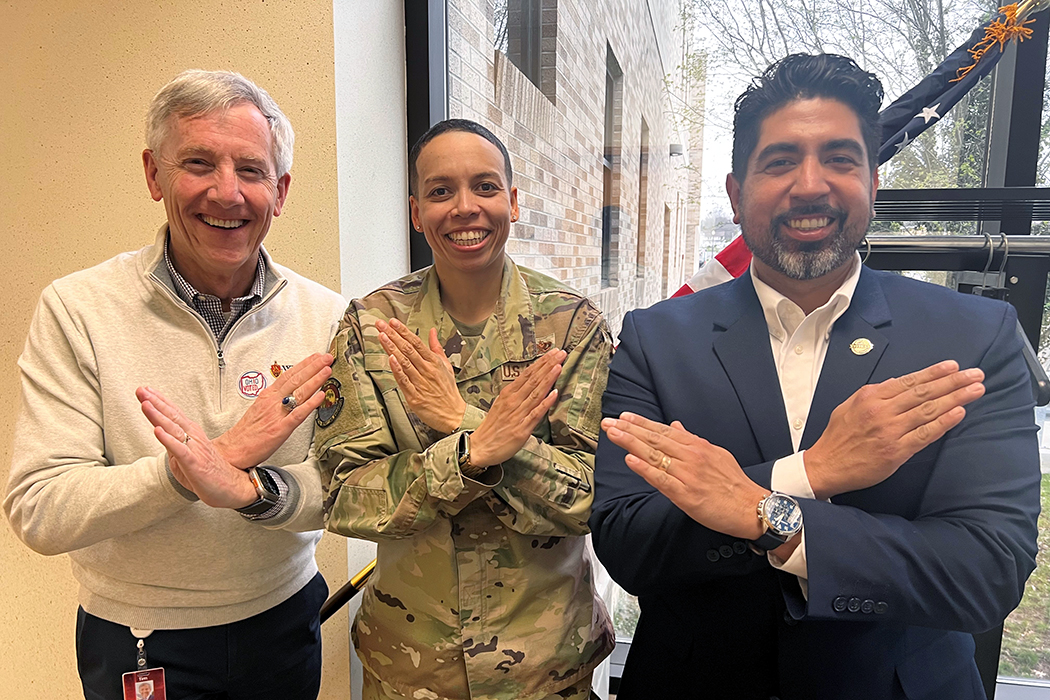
(744, 351)
(849, 363)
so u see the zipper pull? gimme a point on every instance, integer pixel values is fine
(222, 362)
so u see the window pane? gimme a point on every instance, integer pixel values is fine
(625, 613)
(1026, 635)
(1042, 174)
(900, 42)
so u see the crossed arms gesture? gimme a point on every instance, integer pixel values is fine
(869, 436)
(428, 382)
(216, 469)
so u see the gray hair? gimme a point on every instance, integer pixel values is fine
(196, 92)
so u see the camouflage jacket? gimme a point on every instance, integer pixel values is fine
(480, 588)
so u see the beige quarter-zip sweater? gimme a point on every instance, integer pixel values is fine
(89, 478)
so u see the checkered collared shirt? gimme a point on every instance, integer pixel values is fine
(220, 323)
(210, 307)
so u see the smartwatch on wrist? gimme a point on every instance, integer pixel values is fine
(781, 516)
(265, 488)
(463, 457)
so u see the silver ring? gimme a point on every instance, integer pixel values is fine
(186, 438)
(665, 463)
(289, 402)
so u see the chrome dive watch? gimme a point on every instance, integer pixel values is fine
(781, 515)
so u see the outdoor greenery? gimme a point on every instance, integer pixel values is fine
(1026, 637)
(625, 614)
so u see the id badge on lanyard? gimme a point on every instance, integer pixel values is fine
(144, 683)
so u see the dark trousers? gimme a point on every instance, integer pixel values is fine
(275, 655)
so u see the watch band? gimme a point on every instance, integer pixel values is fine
(265, 488)
(766, 542)
(463, 457)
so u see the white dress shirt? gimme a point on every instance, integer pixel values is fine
(800, 344)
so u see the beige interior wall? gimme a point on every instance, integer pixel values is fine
(76, 77)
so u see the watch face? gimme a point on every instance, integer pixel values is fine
(783, 514)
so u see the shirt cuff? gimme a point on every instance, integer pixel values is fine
(795, 564)
(472, 418)
(190, 496)
(789, 476)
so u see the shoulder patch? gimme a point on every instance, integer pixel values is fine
(332, 405)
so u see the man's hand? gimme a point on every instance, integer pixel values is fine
(194, 460)
(517, 411)
(267, 423)
(702, 479)
(424, 375)
(881, 426)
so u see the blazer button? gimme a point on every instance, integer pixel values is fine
(726, 551)
(788, 620)
(867, 607)
(712, 555)
(881, 607)
(854, 605)
(739, 547)
(839, 604)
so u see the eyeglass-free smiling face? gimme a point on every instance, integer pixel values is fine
(464, 205)
(808, 195)
(216, 176)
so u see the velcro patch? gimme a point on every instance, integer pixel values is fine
(332, 405)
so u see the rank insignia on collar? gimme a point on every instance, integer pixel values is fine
(332, 405)
(861, 346)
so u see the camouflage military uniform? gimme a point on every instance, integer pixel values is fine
(480, 587)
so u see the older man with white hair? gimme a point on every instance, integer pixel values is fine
(202, 583)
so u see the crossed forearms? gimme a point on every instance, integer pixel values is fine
(869, 436)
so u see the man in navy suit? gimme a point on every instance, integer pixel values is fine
(817, 477)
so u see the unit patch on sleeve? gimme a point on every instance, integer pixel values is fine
(251, 383)
(332, 405)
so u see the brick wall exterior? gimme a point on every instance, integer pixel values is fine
(555, 137)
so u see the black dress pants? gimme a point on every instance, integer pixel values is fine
(275, 655)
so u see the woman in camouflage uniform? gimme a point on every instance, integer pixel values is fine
(459, 429)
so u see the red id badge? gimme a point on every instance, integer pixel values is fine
(145, 685)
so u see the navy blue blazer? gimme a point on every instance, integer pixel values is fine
(897, 572)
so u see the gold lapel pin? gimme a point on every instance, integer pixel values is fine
(861, 346)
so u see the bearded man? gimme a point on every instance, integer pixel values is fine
(818, 478)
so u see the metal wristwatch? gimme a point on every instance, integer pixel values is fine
(463, 457)
(781, 515)
(265, 488)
